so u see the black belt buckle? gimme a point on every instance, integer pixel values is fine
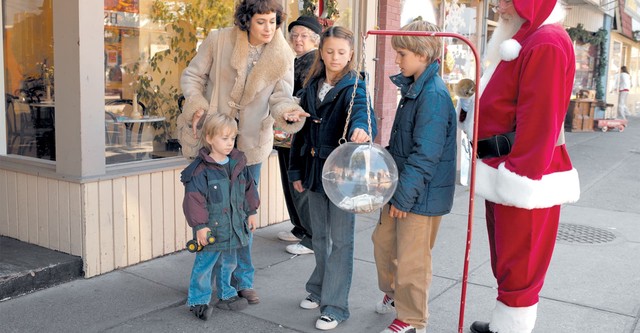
(495, 146)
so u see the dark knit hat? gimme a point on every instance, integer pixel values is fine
(310, 22)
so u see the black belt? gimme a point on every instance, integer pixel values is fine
(495, 146)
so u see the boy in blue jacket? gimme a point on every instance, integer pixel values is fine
(221, 198)
(423, 145)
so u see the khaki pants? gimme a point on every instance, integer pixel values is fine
(402, 250)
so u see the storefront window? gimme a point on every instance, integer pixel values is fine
(586, 58)
(29, 78)
(147, 45)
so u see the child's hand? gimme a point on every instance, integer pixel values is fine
(297, 185)
(252, 221)
(201, 235)
(395, 212)
(360, 136)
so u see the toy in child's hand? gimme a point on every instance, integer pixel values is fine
(193, 246)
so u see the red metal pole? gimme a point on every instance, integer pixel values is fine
(474, 139)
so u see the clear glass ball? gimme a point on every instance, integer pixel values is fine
(359, 177)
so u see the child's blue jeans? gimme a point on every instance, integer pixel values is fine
(200, 287)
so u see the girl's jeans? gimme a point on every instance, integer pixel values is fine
(333, 241)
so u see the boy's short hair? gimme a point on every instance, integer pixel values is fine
(218, 123)
(430, 47)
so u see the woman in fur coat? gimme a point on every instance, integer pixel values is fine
(255, 74)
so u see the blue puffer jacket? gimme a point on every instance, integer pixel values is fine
(220, 201)
(322, 131)
(423, 144)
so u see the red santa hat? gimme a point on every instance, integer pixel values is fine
(535, 13)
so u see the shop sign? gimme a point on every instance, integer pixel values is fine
(121, 19)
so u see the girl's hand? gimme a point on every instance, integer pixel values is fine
(194, 122)
(252, 221)
(395, 212)
(295, 116)
(360, 136)
(201, 235)
(297, 185)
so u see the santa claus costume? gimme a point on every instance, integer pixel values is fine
(524, 171)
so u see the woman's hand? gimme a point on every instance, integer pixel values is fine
(201, 235)
(395, 212)
(196, 119)
(295, 116)
(359, 136)
(297, 185)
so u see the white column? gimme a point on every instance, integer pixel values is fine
(78, 29)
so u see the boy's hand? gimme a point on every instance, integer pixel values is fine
(360, 136)
(201, 235)
(252, 221)
(395, 212)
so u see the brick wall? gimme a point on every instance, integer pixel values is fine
(385, 91)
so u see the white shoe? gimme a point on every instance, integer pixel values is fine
(298, 249)
(287, 236)
(326, 323)
(309, 304)
(387, 305)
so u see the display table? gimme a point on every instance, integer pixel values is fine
(580, 115)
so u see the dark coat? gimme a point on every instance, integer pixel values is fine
(423, 144)
(301, 68)
(323, 130)
(220, 201)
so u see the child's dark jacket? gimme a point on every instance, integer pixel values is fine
(221, 202)
(322, 131)
(423, 144)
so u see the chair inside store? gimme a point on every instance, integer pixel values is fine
(122, 110)
(22, 132)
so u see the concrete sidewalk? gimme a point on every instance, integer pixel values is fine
(593, 284)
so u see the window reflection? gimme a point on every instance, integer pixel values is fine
(29, 77)
(147, 45)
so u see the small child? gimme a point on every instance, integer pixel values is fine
(423, 145)
(221, 198)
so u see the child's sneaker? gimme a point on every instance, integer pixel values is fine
(387, 305)
(309, 303)
(399, 326)
(234, 303)
(326, 323)
(201, 311)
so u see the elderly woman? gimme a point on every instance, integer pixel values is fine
(255, 71)
(304, 35)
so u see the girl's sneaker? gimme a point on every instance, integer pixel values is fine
(387, 305)
(201, 311)
(399, 326)
(326, 323)
(309, 303)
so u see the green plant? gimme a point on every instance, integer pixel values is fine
(598, 38)
(184, 24)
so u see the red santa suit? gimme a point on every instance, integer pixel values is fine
(528, 92)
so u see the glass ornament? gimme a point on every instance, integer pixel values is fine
(359, 177)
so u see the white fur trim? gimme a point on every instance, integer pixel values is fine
(506, 319)
(557, 15)
(509, 49)
(508, 188)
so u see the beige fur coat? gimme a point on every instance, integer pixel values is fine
(257, 100)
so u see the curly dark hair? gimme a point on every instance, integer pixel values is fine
(247, 8)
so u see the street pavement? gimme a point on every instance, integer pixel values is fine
(593, 284)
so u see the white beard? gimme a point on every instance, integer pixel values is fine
(506, 29)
